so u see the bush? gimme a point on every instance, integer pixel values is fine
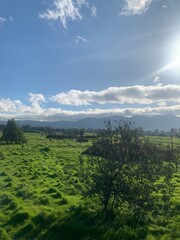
(123, 170)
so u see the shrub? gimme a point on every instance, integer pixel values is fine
(123, 169)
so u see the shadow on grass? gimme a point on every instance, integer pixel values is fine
(33, 230)
(78, 224)
(18, 218)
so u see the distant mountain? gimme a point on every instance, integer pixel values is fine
(163, 122)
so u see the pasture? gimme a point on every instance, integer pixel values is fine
(41, 196)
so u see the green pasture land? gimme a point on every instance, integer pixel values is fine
(41, 199)
(164, 140)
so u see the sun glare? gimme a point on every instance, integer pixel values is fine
(173, 59)
(175, 55)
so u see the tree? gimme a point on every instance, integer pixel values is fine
(12, 133)
(124, 170)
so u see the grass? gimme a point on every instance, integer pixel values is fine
(41, 198)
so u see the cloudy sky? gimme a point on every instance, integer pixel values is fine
(68, 59)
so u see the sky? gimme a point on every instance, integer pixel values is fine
(70, 59)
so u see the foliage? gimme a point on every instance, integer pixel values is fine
(12, 133)
(82, 139)
(124, 171)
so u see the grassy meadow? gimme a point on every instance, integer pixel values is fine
(41, 197)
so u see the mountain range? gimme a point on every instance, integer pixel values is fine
(148, 123)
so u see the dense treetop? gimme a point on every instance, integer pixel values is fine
(12, 133)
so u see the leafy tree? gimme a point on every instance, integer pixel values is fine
(124, 170)
(12, 133)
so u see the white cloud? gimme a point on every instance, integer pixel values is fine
(137, 7)
(80, 39)
(166, 98)
(2, 20)
(138, 94)
(73, 97)
(65, 10)
(164, 6)
(6, 20)
(10, 109)
(11, 19)
(162, 104)
(81, 2)
(36, 100)
(94, 11)
(7, 105)
(15, 108)
(156, 79)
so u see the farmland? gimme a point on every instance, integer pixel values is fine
(41, 196)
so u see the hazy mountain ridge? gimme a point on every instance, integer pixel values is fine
(165, 122)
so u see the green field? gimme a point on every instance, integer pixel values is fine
(41, 197)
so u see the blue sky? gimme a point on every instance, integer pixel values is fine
(67, 59)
